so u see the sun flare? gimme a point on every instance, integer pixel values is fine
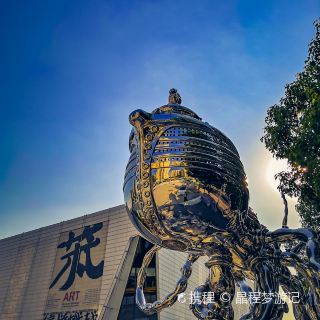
(274, 166)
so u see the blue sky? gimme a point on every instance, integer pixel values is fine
(71, 72)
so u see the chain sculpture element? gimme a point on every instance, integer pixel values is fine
(185, 189)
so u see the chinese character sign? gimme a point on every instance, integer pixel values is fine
(73, 315)
(75, 246)
(77, 274)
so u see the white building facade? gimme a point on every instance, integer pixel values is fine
(85, 269)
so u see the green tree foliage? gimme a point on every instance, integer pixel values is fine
(292, 132)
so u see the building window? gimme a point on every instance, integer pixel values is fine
(129, 309)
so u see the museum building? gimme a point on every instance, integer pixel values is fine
(86, 269)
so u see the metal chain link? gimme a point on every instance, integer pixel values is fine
(170, 299)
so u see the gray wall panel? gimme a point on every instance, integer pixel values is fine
(27, 261)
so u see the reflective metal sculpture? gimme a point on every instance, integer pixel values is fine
(185, 189)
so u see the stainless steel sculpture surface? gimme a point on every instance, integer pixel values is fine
(185, 189)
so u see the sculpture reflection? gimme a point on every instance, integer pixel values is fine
(185, 189)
